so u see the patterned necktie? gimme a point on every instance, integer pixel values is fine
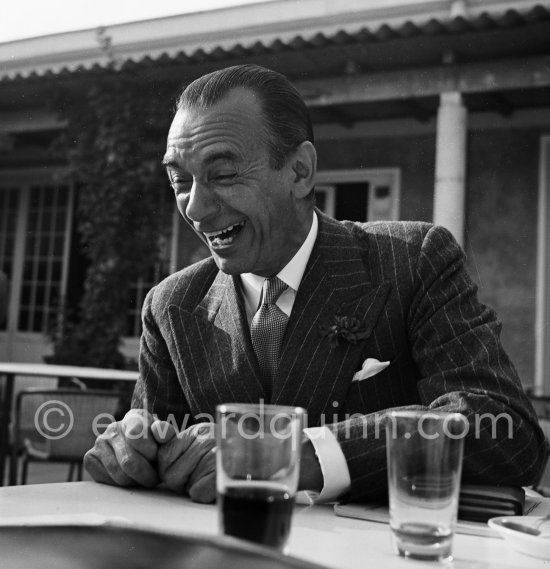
(267, 330)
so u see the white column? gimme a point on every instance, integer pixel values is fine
(450, 164)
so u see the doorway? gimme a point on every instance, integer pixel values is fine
(359, 195)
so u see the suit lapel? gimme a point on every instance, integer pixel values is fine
(216, 354)
(231, 319)
(335, 282)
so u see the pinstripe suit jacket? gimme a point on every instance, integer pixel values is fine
(407, 284)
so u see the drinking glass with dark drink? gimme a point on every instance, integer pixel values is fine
(257, 471)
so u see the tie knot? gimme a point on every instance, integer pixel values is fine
(272, 290)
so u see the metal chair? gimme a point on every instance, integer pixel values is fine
(60, 425)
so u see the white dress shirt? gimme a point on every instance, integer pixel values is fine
(331, 458)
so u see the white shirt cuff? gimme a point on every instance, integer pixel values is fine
(336, 478)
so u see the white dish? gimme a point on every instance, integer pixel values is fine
(533, 545)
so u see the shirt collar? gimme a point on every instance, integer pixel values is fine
(292, 273)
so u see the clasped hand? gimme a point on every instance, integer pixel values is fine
(144, 451)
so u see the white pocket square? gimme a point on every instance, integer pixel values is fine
(371, 366)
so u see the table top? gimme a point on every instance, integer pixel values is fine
(15, 368)
(317, 534)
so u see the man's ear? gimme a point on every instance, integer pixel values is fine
(304, 166)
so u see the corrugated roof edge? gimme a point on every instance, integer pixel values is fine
(73, 58)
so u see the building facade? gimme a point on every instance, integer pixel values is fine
(436, 110)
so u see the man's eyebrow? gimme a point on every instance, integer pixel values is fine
(223, 155)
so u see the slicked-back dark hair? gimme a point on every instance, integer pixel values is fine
(284, 112)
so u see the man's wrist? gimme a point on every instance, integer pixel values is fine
(311, 475)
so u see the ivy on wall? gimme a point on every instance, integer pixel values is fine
(113, 145)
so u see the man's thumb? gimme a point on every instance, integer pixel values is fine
(163, 431)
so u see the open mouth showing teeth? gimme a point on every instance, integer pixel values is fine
(225, 236)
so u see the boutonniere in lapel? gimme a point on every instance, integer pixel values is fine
(343, 328)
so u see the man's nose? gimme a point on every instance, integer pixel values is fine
(202, 203)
